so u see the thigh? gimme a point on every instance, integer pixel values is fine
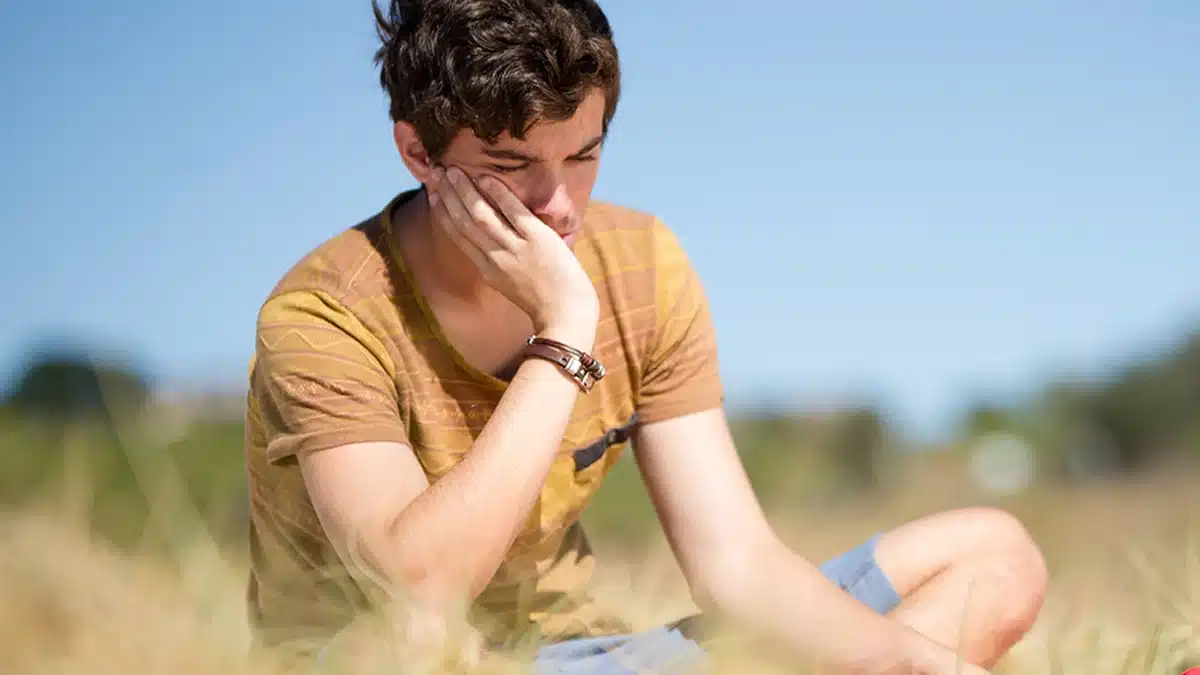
(918, 551)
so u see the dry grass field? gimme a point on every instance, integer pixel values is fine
(1124, 557)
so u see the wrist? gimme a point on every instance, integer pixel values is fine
(574, 325)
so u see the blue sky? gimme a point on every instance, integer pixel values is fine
(918, 202)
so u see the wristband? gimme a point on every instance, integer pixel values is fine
(582, 368)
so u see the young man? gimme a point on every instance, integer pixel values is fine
(409, 446)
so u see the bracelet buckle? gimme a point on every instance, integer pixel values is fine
(581, 366)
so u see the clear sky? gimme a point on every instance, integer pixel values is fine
(916, 201)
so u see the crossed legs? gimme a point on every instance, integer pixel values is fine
(971, 579)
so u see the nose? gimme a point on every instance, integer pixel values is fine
(552, 203)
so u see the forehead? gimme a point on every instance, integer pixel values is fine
(551, 139)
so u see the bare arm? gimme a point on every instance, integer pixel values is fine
(739, 569)
(432, 549)
(443, 543)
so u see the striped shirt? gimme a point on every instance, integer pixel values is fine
(348, 351)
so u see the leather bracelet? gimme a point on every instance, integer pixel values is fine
(581, 367)
(588, 361)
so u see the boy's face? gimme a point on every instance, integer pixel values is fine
(552, 171)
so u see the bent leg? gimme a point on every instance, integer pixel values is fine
(971, 579)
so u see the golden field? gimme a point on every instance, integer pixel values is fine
(1124, 559)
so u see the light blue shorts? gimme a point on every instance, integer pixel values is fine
(668, 651)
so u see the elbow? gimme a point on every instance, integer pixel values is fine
(419, 580)
(397, 573)
(415, 579)
(426, 579)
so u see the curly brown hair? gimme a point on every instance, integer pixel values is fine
(493, 65)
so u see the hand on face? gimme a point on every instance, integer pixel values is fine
(516, 253)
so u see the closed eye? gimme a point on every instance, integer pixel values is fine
(513, 168)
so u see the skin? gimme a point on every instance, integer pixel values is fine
(494, 275)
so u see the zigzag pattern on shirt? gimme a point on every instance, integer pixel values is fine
(272, 345)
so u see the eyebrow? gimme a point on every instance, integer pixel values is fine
(518, 156)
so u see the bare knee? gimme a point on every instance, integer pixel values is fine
(1008, 563)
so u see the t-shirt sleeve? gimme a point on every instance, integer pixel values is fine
(680, 374)
(320, 378)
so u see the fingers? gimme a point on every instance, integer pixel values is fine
(510, 207)
(459, 215)
(450, 223)
(478, 216)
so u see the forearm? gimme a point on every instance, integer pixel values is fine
(788, 601)
(447, 544)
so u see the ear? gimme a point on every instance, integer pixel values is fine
(412, 151)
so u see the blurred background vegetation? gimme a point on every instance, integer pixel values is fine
(95, 430)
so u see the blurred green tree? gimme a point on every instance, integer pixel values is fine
(982, 419)
(858, 444)
(1146, 412)
(71, 386)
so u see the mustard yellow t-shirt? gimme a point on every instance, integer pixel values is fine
(347, 351)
